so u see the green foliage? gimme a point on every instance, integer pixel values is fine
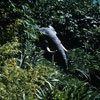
(76, 21)
(8, 53)
(67, 90)
(24, 73)
(80, 59)
(16, 83)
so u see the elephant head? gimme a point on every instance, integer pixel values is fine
(52, 34)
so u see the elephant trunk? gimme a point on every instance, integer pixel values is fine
(61, 49)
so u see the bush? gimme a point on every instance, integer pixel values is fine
(25, 73)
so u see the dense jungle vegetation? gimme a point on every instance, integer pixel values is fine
(26, 72)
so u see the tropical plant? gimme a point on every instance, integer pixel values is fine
(24, 72)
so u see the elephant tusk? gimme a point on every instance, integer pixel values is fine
(64, 48)
(48, 49)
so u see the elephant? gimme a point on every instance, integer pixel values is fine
(52, 35)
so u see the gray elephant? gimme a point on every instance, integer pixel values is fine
(52, 35)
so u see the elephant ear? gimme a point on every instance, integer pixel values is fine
(52, 29)
(42, 31)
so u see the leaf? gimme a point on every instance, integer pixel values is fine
(1, 86)
(51, 87)
(66, 95)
